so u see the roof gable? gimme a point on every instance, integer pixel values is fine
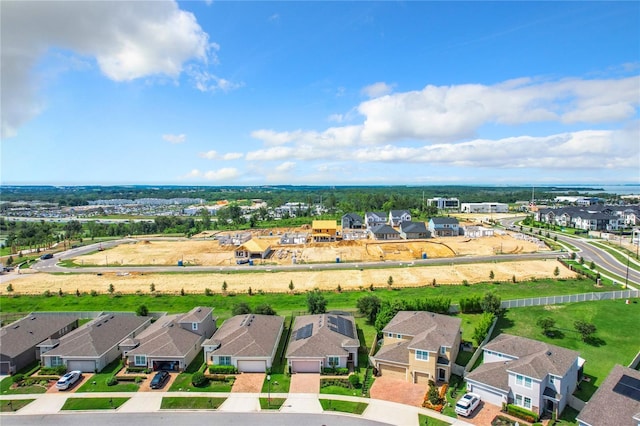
(247, 335)
(329, 334)
(27, 332)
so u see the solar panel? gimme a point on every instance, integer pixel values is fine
(304, 332)
(628, 386)
(344, 327)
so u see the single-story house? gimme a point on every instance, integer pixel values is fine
(384, 232)
(352, 221)
(322, 341)
(396, 217)
(324, 230)
(170, 343)
(616, 402)
(418, 346)
(444, 226)
(372, 219)
(531, 374)
(413, 230)
(93, 346)
(19, 340)
(255, 248)
(248, 342)
(477, 231)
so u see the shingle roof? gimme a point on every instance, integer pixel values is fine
(413, 227)
(247, 336)
(444, 220)
(607, 407)
(383, 229)
(398, 213)
(493, 374)
(197, 314)
(98, 336)
(430, 331)
(353, 216)
(397, 352)
(27, 332)
(324, 339)
(378, 215)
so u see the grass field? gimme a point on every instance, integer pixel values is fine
(98, 383)
(343, 406)
(93, 403)
(192, 403)
(273, 404)
(10, 405)
(615, 341)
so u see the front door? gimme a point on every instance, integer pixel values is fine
(442, 374)
(551, 406)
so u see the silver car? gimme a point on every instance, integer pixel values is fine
(68, 380)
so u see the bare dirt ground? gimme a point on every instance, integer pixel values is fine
(279, 281)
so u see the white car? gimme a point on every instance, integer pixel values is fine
(467, 404)
(68, 379)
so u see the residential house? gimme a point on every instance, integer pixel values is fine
(322, 341)
(444, 203)
(616, 402)
(444, 226)
(352, 221)
(531, 374)
(248, 342)
(255, 248)
(294, 238)
(171, 342)
(485, 207)
(477, 231)
(372, 219)
(93, 346)
(396, 217)
(19, 340)
(384, 232)
(413, 230)
(324, 231)
(418, 346)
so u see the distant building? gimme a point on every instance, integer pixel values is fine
(444, 226)
(484, 208)
(324, 230)
(444, 203)
(352, 221)
(373, 219)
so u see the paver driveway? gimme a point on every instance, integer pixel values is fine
(485, 413)
(305, 383)
(396, 390)
(145, 386)
(85, 378)
(248, 382)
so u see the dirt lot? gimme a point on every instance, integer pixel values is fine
(279, 281)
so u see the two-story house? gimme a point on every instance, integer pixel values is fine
(324, 230)
(418, 346)
(444, 226)
(396, 217)
(528, 373)
(373, 219)
(352, 221)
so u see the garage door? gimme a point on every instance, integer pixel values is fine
(252, 366)
(421, 378)
(84, 366)
(393, 371)
(487, 395)
(305, 366)
(5, 368)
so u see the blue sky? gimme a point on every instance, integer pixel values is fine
(325, 93)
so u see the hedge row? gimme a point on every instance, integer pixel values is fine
(522, 413)
(222, 369)
(335, 371)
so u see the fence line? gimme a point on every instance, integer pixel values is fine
(572, 298)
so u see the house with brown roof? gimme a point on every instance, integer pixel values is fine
(171, 342)
(616, 402)
(91, 347)
(418, 346)
(322, 341)
(248, 342)
(531, 374)
(19, 340)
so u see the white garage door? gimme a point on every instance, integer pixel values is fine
(487, 395)
(252, 366)
(84, 366)
(305, 366)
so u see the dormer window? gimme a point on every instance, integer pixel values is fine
(194, 326)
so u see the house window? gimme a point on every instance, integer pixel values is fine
(554, 380)
(524, 381)
(398, 336)
(224, 360)
(443, 350)
(389, 334)
(140, 360)
(527, 402)
(334, 361)
(422, 355)
(194, 326)
(523, 401)
(56, 361)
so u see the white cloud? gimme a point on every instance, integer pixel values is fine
(336, 118)
(287, 166)
(213, 155)
(376, 90)
(224, 174)
(175, 139)
(233, 156)
(128, 40)
(205, 81)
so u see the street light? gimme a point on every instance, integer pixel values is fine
(269, 390)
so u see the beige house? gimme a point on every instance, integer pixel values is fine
(418, 346)
(252, 249)
(324, 230)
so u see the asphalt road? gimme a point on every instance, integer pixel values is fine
(187, 418)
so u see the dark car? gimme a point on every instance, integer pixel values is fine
(46, 256)
(159, 379)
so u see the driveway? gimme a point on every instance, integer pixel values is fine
(145, 386)
(72, 389)
(484, 414)
(396, 390)
(248, 383)
(305, 383)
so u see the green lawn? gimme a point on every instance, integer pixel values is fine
(7, 382)
(344, 406)
(184, 403)
(280, 380)
(183, 384)
(98, 383)
(93, 403)
(615, 322)
(424, 420)
(455, 391)
(273, 404)
(10, 405)
(340, 390)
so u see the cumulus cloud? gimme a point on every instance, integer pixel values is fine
(224, 174)
(376, 90)
(213, 155)
(127, 40)
(287, 166)
(175, 139)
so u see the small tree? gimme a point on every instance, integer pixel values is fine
(586, 329)
(241, 309)
(513, 279)
(369, 307)
(10, 261)
(224, 287)
(339, 288)
(77, 292)
(60, 293)
(582, 260)
(371, 287)
(491, 303)
(10, 288)
(316, 303)
(182, 292)
(556, 272)
(433, 395)
(291, 286)
(198, 379)
(142, 311)
(111, 289)
(491, 275)
(250, 291)
(208, 292)
(433, 283)
(152, 287)
(264, 309)
(547, 324)
(592, 265)
(390, 281)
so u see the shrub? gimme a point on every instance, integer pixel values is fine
(138, 379)
(354, 379)
(112, 381)
(208, 292)
(469, 305)
(17, 378)
(198, 379)
(57, 371)
(218, 377)
(222, 369)
(522, 413)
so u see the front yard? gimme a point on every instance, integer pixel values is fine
(99, 382)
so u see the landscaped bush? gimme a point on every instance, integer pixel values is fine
(522, 413)
(112, 381)
(198, 379)
(53, 371)
(470, 305)
(335, 371)
(222, 369)
(136, 369)
(136, 379)
(218, 377)
(18, 378)
(354, 379)
(502, 421)
(343, 383)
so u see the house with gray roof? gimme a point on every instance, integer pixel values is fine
(171, 342)
(372, 219)
(322, 341)
(418, 346)
(616, 402)
(248, 342)
(352, 221)
(444, 226)
(96, 344)
(414, 230)
(384, 232)
(19, 340)
(531, 374)
(396, 217)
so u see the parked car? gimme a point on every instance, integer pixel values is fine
(467, 404)
(68, 380)
(46, 256)
(159, 379)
